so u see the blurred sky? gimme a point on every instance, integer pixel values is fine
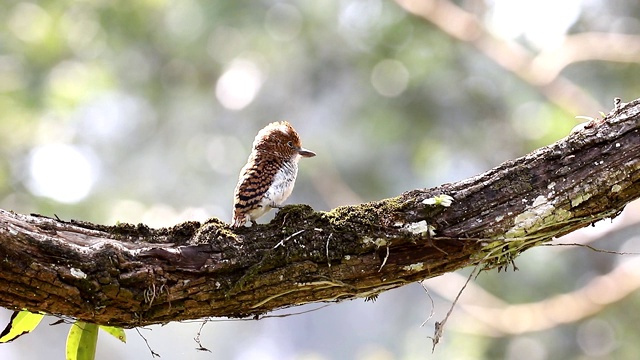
(120, 111)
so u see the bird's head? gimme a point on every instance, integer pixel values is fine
(280, 139)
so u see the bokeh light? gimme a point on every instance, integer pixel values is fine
(390, 78)
(29, 22)
(544, 23)
(61, 172)
(283, 22)
(239, 84)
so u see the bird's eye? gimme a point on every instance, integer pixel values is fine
(290, 144)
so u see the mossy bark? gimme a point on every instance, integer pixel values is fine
(129, 276)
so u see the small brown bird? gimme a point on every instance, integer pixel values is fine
(267, 179)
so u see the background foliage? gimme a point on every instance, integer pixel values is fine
(144, 111)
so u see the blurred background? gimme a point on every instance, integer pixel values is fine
(144, 111)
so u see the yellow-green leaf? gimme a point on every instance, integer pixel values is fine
(82, 340)
(22, 322)
(116, 332)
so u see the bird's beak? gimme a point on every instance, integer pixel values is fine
(306, 153)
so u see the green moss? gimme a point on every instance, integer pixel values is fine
(184, 232)
(212, 230)
(179, 234)
(579, 199)
(294, 213)
(536, 218)
(126, 231)
(367, 214)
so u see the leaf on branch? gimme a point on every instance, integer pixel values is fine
(81, 341)
(116, 332)
(22, 322)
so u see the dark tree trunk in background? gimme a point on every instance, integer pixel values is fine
(128, 275)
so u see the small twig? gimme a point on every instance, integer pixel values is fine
(439, 326)
(433, 306)
(327, 249)
(259, 318)
(150, 294)
(153, 353)
(197, 338)
(295, 313)
(62, 320)
(594, 248)
(385, 260)
(430, 240)
(281, 243)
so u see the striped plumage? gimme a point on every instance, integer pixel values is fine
(267, 179)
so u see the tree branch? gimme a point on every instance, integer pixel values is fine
(464, 26)
(129, 276)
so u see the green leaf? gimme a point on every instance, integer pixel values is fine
(116, 332)
(22, 322)
(82, 340)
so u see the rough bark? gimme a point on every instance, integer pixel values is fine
(127, 275)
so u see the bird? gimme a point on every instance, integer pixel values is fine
(267, 179)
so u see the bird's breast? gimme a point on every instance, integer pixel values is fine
(282, 184)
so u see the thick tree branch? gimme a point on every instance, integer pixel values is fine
(129, 275)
